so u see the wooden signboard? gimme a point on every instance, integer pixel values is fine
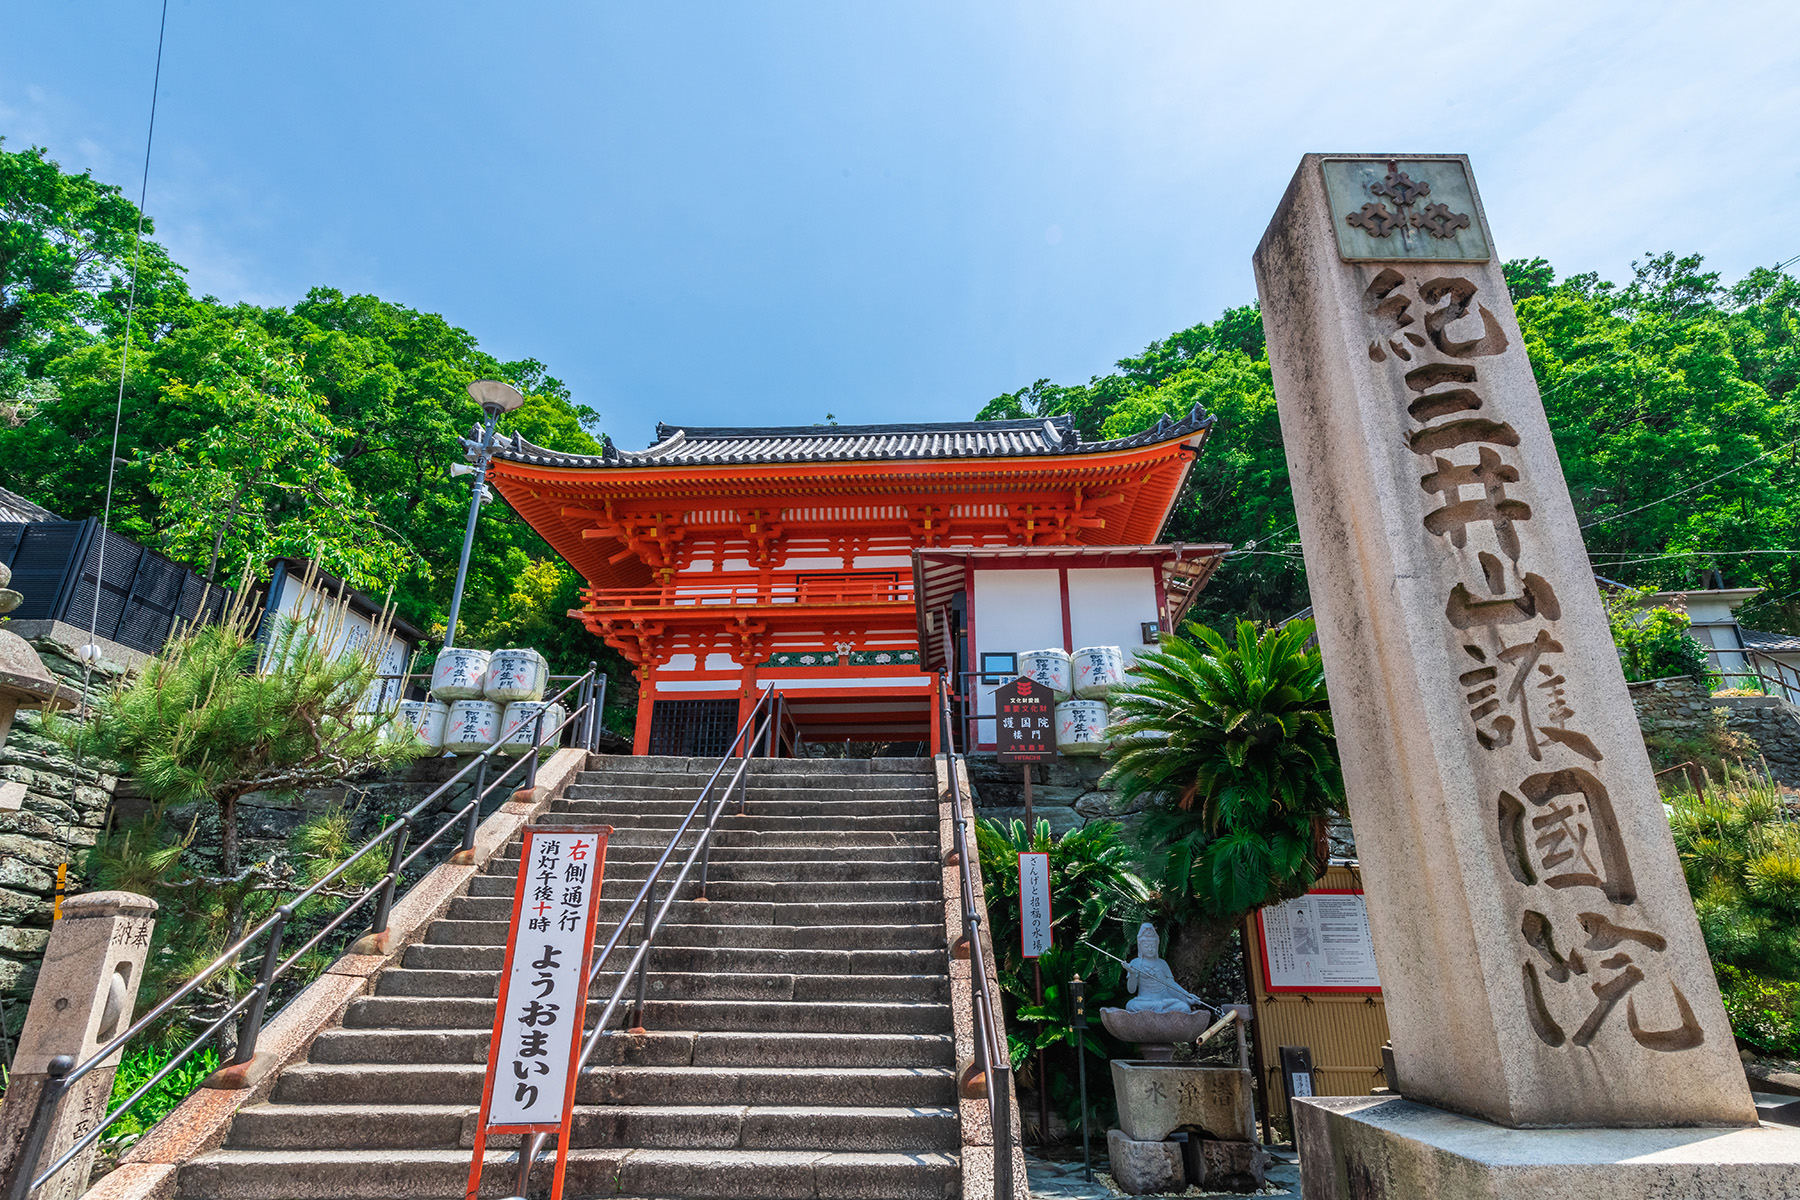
(1024, 712)
(533, 1058)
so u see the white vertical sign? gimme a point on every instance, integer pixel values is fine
(544, 989)
(1034, 904)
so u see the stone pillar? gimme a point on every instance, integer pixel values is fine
(1537, 945)
(85, 996)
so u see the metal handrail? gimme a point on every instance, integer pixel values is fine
(64, 1073)
(992, 1058)
(1753, 668)
(646, 895)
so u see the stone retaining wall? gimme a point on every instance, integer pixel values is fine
(63, 813)
(1775, 724)
(1683, 709)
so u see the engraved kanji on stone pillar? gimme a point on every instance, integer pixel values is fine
(1538, 950)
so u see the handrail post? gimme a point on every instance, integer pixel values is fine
(251, 1028)
(1000, 1081)
(597, 708)
(385, 905)
(43, 1119)
(537, 746)
(643, 980)
(474, 821)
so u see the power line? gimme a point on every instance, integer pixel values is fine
(91, 651)
(1696, 487)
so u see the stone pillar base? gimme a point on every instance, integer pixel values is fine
(1385, 1148)
(1144, 1167)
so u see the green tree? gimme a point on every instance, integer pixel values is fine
(1232, 742)
(1653, 643)
(326, 429)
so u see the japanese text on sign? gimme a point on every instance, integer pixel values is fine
(1034, 904)
(1318, 943)
(1022, 710)
(543, 992)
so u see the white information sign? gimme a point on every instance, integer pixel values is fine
(1034, 904)
(544, 991)
(1318, 943)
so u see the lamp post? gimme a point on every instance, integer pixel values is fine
(495, 398)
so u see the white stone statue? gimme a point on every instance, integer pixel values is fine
(1149, 976)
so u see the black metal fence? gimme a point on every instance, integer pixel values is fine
(57, 566)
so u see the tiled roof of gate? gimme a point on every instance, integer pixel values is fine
(679, 445)
(1774, 643)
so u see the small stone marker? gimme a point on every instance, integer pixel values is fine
(1535, 937)
(84, 997)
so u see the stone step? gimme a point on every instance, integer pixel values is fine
(654, 1048)
(690, 785)
(326, 1083)
(816, 768)
(687, 1174)
(757, 937)
(423, 956)
(794, 1016)
(855, 843)
(774, 870)
(884, 852)
(786, 891)
(625, 816)
(731, 912)
(687, 985)
(758, 798)
(699, 1126)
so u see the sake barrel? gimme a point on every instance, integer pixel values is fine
(1048, 667)
(1098, 670)
(472, 726)
(459, 674)
(520, 674)
(517, 724)
(424, 718)
(1081, 727)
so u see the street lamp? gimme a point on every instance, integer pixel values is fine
(495, 398)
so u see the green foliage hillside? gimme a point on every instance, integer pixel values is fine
(1672, 400)
(327, 428)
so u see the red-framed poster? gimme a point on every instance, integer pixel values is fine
(533, 1059)
(1318, 943)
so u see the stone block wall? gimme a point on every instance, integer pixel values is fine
(1684, 709)
(1064, 791)
(64, 812)
(1775, 725)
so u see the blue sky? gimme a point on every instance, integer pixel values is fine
(735, 213)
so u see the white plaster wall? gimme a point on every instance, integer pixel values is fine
(720, 662)
(1108, 605)
(1015, 611)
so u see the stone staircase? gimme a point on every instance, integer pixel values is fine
(799, 1033)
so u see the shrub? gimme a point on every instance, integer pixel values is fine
(1234, 743)
(1092, 888)
(1741, 854)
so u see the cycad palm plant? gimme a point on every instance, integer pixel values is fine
(1233, 745)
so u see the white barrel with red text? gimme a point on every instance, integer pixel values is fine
(1081, 727)
(459, 674)
(1098, 670)
(473, 726)
(1049, 667)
